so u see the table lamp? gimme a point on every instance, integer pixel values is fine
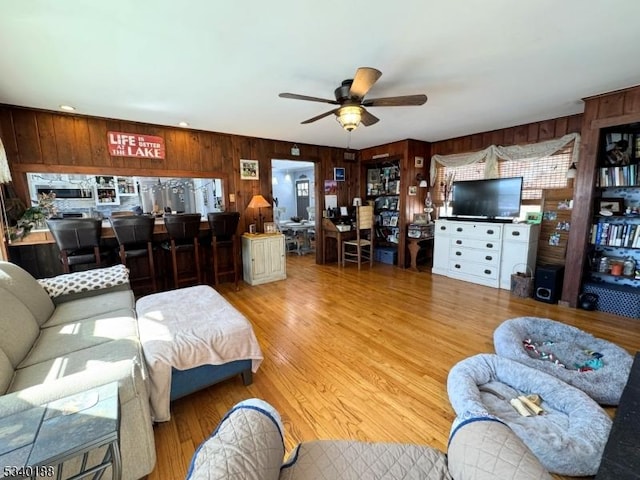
(259, 202)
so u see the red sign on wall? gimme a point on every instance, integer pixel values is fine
(135, 145)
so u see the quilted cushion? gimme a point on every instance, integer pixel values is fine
(486, 449)
(95, 279)
(351, 460)
(247, 445)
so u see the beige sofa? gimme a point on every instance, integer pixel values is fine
(50, 349)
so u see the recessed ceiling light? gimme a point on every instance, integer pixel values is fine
(67, 108)
(183, 124)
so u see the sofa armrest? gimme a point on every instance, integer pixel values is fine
(248, 443)
(71, 286)
(484, 448)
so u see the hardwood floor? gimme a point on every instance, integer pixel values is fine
(361, 355)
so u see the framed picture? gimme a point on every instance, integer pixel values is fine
(338, 174)
(534, 217)
(393, 221)
(252, 228)
(419, 162)
(249, 170)
(269, 227)
(373, 175)
(611, 206)
(420, 218)
(413, 190)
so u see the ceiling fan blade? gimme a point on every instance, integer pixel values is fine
(363, 81)
(295, 96)
(368, 119)
(402, 101)
(322, 115)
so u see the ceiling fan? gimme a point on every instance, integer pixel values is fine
(350, 96)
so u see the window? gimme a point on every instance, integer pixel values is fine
(546, 172)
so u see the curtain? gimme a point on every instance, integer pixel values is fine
(491, 154)
(5, 177)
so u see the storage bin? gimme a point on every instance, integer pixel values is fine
(386, 255)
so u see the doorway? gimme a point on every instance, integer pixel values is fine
(293, 183)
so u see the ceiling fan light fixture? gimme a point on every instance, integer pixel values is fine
(349, 117)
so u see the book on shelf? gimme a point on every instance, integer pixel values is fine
(619, 176)
(625, 235)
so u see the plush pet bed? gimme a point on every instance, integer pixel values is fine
(596, 366)
(568, 438)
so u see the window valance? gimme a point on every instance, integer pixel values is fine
(491, 154)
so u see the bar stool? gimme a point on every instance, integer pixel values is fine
(223, 226)
(183, 230)
(135, 240)
(78, 240)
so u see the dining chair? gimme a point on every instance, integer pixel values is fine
(223, 226)
(78, 240)
(360, 248)
(135, 240)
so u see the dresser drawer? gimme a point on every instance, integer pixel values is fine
(519, 233)
(486, 257)
(475, 269)
(483, 231)
(476, 243)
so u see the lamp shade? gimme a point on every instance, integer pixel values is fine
(258, 201)
(349, 117)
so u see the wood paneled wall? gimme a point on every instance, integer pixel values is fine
(609, 110)
(522, 134)
(45, 141)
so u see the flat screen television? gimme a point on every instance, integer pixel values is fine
(491, 198)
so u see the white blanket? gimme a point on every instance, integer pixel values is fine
(188, 328)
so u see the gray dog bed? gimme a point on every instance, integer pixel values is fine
(562, 350)
(568, 438)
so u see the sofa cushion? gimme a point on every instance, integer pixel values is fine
(107, 362)
(78, 282)
(19, 327)
(91, 307)
(27, 289)
(352, 460)
(59, 340)
(6, 372)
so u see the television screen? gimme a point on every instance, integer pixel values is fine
(492, 198)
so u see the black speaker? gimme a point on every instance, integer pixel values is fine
(547, 285)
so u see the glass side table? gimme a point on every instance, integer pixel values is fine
(37, 442)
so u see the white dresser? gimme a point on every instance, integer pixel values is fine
(263, 258)
(483, 252)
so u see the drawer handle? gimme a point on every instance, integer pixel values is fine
(459, 254)
(458, 242)
(489, 245)
(442, 227)
(488, 257)
(488, 272)
(459, 229)
(457, 265)
(515, 234)
(490, 232)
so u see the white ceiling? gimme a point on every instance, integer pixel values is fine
(219, 65)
